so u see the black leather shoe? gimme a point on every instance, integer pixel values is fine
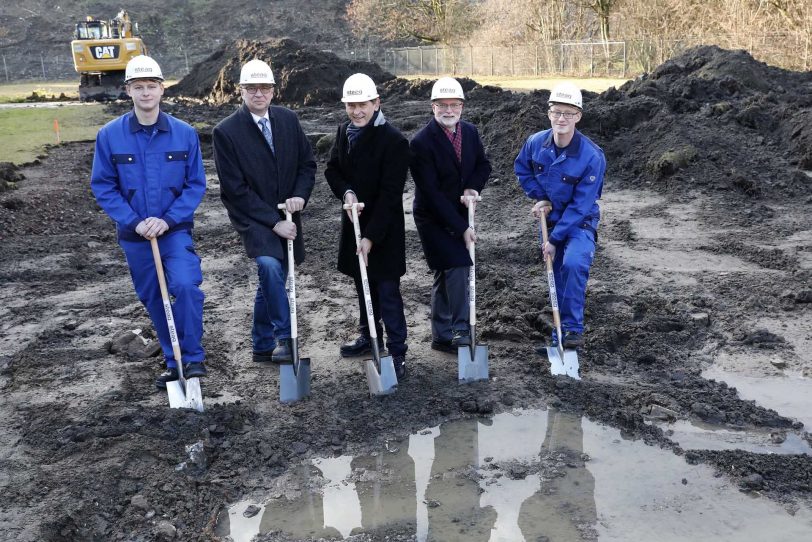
(400, 367)
(194, 370)
(283, 353)
(443, 346)
(170, 375)
(361, 346)
(460, 338)
(572, 340)
(262, 357)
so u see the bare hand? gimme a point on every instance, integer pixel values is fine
(548, 250)
(285, 229)
(364, 249)
(542, 208)
(468, 197)
(151, 227)
(349, 199)
(470, 237)
(294, 204)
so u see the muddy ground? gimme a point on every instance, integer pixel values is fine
(704, 257)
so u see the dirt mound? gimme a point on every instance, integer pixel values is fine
(303, 75)
(709, 118)
(417, 89)
(9, 175)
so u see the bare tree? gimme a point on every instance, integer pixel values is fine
(427, 21)
(603, 9)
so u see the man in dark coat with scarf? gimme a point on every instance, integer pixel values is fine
(369, 163)
(448, 162)
(263, 158)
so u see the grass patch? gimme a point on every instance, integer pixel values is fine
(18, 92)
(24, 131)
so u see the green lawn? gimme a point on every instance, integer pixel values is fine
(24, 131)
(17, 92)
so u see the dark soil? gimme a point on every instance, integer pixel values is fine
(91, 451)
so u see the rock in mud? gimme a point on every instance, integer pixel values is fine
(139, 502)
(165, 530)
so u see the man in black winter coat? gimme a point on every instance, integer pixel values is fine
(368, 163)
(263, 158)
(448, 162)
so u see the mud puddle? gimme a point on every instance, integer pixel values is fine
(522, 475)
(789, 394)
(690, 435)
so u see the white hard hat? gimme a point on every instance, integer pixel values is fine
(256, 72)
(566, 93)
(359, 87)
(447, 87)
(142, 67)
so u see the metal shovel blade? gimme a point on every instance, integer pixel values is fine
(472, 369)
(568, 365)
(177, 399)
(294, 382)
(194, 395)
(382, 383)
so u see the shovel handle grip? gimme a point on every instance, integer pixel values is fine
(348, 206)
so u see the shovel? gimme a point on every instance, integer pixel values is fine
(472, 360)
(380, 371)
(562, 362)
(294, 377)
(182, 393)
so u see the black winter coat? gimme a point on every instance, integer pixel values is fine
(253, 182)
(440, 179)
(376, 171)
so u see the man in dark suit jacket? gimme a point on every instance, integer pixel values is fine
(369, 163)
(448, 161)
(263, 158)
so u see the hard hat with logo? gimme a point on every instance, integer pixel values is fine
(447, 87)
(566, 93)
(359, 87)
(142, 67)
(256, 72)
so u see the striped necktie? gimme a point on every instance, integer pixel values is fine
(266, 132)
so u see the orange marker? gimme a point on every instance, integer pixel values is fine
(56, 129)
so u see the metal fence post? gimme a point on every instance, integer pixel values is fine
(421, 61)
(512, 60)
(42, 63)
(5, 68)
(436, 62)
(491, 48)
(471, 58)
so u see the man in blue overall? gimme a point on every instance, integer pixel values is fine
(148, 177)
(563, 171)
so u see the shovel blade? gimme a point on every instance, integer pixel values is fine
(192, 398)
(194, 395)
(472, 369)
(382, 383)
(294, 382)
(568, 365)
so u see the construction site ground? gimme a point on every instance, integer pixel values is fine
(703, 264)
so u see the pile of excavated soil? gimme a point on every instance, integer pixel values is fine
(709, 118)
(303, 75)
(9, 175)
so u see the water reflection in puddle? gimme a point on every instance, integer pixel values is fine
(698, 436)
(525, 475)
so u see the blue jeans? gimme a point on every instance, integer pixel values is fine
(571, 269)
(271, 308)
(183, 277)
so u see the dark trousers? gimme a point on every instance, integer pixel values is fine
(387, 305)
(449, 303)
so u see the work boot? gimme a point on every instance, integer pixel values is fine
(170, 375)
(194, 370)
(460, 337)
(283, 353)
(572, 340)
(361, 346)
(400, 367)
(262, 357)
(443, 346)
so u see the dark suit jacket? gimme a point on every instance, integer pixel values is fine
(439, 180)
(376, 171)
(253, 181)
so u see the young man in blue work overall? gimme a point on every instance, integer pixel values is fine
(148, 177)
(563, 171)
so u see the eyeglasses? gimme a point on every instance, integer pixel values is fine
(559, 114)
(253, 89)
(449, 107)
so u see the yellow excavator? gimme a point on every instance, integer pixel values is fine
(101, 49)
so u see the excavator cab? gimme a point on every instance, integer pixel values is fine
(101, 49)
